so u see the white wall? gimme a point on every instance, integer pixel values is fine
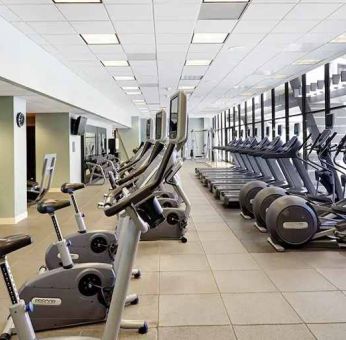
(130, 138)
(75, 159)
(25, 63)
(195, 139)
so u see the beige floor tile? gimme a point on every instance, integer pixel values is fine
(148, 248)
(147, 263)
(259, 308)
(207, 218)
(196, 282)
(147, 284)
(329, 331)
(275, 261)
(172, 247)
(196, 333)
(211, 226)
(190, 262)
(319, 307)
(147, 309)
(232, 262)
(295, 280)
(336, 276)
(217, 236)
(273, 332)
(243, 281)
(324, 259)
(223, 247)
(192, 310)
(192, 236)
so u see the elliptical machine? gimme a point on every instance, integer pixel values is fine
(294, 221)
(143, 212)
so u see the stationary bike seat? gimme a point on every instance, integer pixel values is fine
(49, 206)
(69, 188)
(12, 243)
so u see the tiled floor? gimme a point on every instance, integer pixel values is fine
(225, 283)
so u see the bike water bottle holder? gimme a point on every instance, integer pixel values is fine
(151, 212)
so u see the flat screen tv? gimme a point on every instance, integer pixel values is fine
(296, 129)
(78, 126)
(280, 130)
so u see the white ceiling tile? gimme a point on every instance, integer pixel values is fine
(106, 49)
(326, 26)
(37, 12)
(127, 1)
(8, 2)
(119, 55)
(340, 14)
(254, 26)
(306, 11)
(244, 39)
(120, 71)
(7, 14)
(94, 27)
(205, 48)
(171, 26)
(139, 48)
(173, 39)
(214, 26)
(131, 39)
(270, 11)
(77, 12)
(38, 39)
(172, 48)
(293, 26)
(52, 27)
(194, 70)
(131, 27)
(64, 39)
(172, 11)
(23, 27)
(133, 12)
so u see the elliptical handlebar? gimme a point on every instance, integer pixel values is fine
(146, 191)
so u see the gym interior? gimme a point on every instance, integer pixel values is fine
(173, 169)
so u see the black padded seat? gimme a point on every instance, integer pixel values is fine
(12, 243)
(49, 206)
(69, 188)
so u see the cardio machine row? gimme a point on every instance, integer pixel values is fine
(271, 183)
(86, 275)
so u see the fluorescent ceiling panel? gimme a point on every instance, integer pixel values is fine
(130, 88)
(100, 39)
(197, 62)
(306, 62)
(116, 63)
(186, 88)
(341, 39)
(221, 10)
(76, 1)
(209, 38)
(133, 93)
(120, 78)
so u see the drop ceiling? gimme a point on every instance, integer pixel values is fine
(262, 48)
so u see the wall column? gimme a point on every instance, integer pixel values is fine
(130, 138)
(53, 136)
(13, 206)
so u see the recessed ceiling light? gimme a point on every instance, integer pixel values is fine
(76, 1)
(119, 78)
(111, 63)
(130, 88)
(206, 1)
(341, 39)
(306, 62)
(186, 88)
(132, 93)
(138, 100)
(100, 39)
(209, 38)
(197, 62)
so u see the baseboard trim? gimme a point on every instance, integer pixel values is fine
(13, 220)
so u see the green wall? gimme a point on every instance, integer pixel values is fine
(53, 136)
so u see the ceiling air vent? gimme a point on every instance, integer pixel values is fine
(190, 77)
(222, 10)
